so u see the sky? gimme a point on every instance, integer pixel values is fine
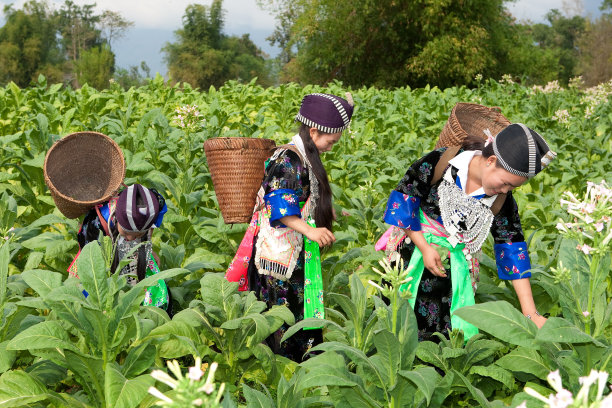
(156, 20)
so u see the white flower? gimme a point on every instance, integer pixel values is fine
(599, 226)
(586, 313)
(157, 393)
(162, 376)
(554, 379)
(563, 399)
(585, 248)
(195, 373)
(561, 227)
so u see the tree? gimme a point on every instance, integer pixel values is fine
(561, 37)
(95, 66)
(28, 45)
(595, 60)
(113, 26)
(203, 56)
(392, 43)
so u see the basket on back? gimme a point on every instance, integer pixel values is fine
(83, 169)
(473, 119)
(236, 166)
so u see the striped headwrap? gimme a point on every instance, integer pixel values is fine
(325, 112)
(522, 151)
(137, 208)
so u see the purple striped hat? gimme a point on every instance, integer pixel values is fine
(328, 113)
(137, 208)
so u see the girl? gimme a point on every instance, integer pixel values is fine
(279, 257)
(129, 219)
(449, 215)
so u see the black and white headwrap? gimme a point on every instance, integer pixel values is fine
(325, 112)
(137, 208)
(522, 151)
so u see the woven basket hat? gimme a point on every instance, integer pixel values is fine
(471, 119)
(236, 167)
(83, 169)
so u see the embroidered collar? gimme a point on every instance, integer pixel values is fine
(462, 162)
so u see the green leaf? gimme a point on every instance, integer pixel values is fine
(256, 399)
(87, 371)
(138, 360)
(42, 281)
(430, 353)
(5, 257)
(501, 320)
(93, 274)
(495, 372)
(557, 329)
(476, 393)
(425, 379)
(388, 350)
(166, 274)
(324, 375)
(121, 392)
(524, 360)
(48, 334)
(18, 389)
(47, 372)
(7, 357)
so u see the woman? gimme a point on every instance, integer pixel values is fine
(448, 216)
(279, 256)
(130, 219)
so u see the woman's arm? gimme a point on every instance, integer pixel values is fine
(321, 236)
(525, 297)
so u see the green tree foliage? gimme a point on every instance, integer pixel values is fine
(419, 42)
(203, 56)
(95, 66)
(561, 36)
(60, 44)
(595, 62)
(393, 43)
(28, 46)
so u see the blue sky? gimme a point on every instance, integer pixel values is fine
(156, 20)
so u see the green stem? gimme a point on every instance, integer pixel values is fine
(594, 265)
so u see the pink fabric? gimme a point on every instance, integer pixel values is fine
(381, 244)
(238, 268)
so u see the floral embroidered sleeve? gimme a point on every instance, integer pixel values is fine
(403, 204)
(511, 253)
(284, 187)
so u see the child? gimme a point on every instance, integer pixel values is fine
(129, 220)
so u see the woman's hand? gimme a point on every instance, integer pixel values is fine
(321, 236)
(433, 261)
(538, 320)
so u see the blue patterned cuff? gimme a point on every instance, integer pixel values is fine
(512, 261)
(282, 203)
(403, 211)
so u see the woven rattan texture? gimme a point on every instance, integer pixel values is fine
(83, 169)
(473, 119)
(236, 166)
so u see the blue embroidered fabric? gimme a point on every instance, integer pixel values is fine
(512, 261)
(282, 203)
(403, 211)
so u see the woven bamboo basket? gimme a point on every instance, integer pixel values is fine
(470, 119)
(83, 169)
(236, 166)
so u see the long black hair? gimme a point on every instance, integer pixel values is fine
(472, 142)
(324, 214)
